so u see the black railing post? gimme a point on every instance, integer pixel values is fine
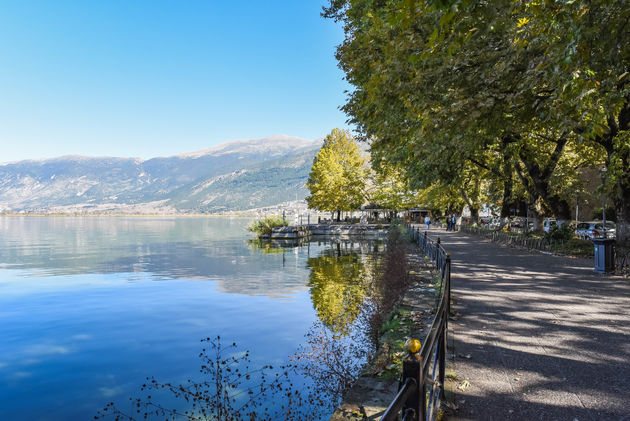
(411, 399)
(444, 341)
(422, 396)
(412, 368)
(442, 361)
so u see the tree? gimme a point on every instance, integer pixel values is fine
(337, 179)
(523, 90)
(586, 59)
(390, 189)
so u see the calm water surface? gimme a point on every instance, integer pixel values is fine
(90, 307)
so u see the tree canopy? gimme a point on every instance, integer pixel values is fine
(337, 179)
(502, 98)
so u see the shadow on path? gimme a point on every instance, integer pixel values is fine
(539, 338)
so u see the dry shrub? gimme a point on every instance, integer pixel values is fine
(391, 282)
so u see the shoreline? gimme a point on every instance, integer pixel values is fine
(138, 215)
(375, 388)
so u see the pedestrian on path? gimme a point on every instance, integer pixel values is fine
(427, 221)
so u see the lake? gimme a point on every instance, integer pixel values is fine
(90, 307)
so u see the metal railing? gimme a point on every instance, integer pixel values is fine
(513, 239)
(421, 386)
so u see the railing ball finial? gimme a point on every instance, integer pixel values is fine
(413, 346)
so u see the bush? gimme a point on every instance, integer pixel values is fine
(576, 247)
(560, 233)
(392, 281)
(397, 232)
(265, 225)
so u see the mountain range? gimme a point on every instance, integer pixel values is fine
(233, 176)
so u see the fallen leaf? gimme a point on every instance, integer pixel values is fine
(464, 385)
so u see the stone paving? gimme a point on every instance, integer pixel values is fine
(538, 337)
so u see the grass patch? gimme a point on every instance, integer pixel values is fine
(398, 327)
(264, 226)
(576, 247)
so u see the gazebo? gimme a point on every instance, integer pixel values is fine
(417, 214)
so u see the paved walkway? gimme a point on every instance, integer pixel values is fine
(539, 337)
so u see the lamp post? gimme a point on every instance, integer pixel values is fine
(577, 209)
(603, 174)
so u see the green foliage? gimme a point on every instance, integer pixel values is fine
(397, 234)
(391, 189)
(266, 225)
(398, 327)
(497, 100)
(266, 246)
(611, 213)
(575, 247)
(337, 178)
(560, 233)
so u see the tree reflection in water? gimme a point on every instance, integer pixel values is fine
(231, 390)
(309, 387)
(332, 362)
(338, 286)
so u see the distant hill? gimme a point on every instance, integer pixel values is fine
(236, 175)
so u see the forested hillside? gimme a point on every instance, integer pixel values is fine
(236, 175)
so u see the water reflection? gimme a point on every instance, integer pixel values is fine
(89, 307)
(338, 284)
(78, 245)
(340, 275)
(230, 388)
(213, 249)
(308, 385)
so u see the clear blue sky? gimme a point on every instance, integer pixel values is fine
(156, 78)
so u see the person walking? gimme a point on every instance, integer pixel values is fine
(427, 221)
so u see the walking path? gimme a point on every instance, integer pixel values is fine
(539, 337)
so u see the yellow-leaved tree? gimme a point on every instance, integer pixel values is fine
(337, 179)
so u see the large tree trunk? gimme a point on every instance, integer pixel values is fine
(474, 214)
(622, 206)
(507, 185)
(474, 209)
(622, 200)
(540, 181)
(622, 186)
(507, 199)
(535, 219)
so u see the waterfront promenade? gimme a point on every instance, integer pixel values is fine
(537, 337)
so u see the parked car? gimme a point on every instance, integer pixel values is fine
(595, 229)
(517, 222)
(549, 223)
